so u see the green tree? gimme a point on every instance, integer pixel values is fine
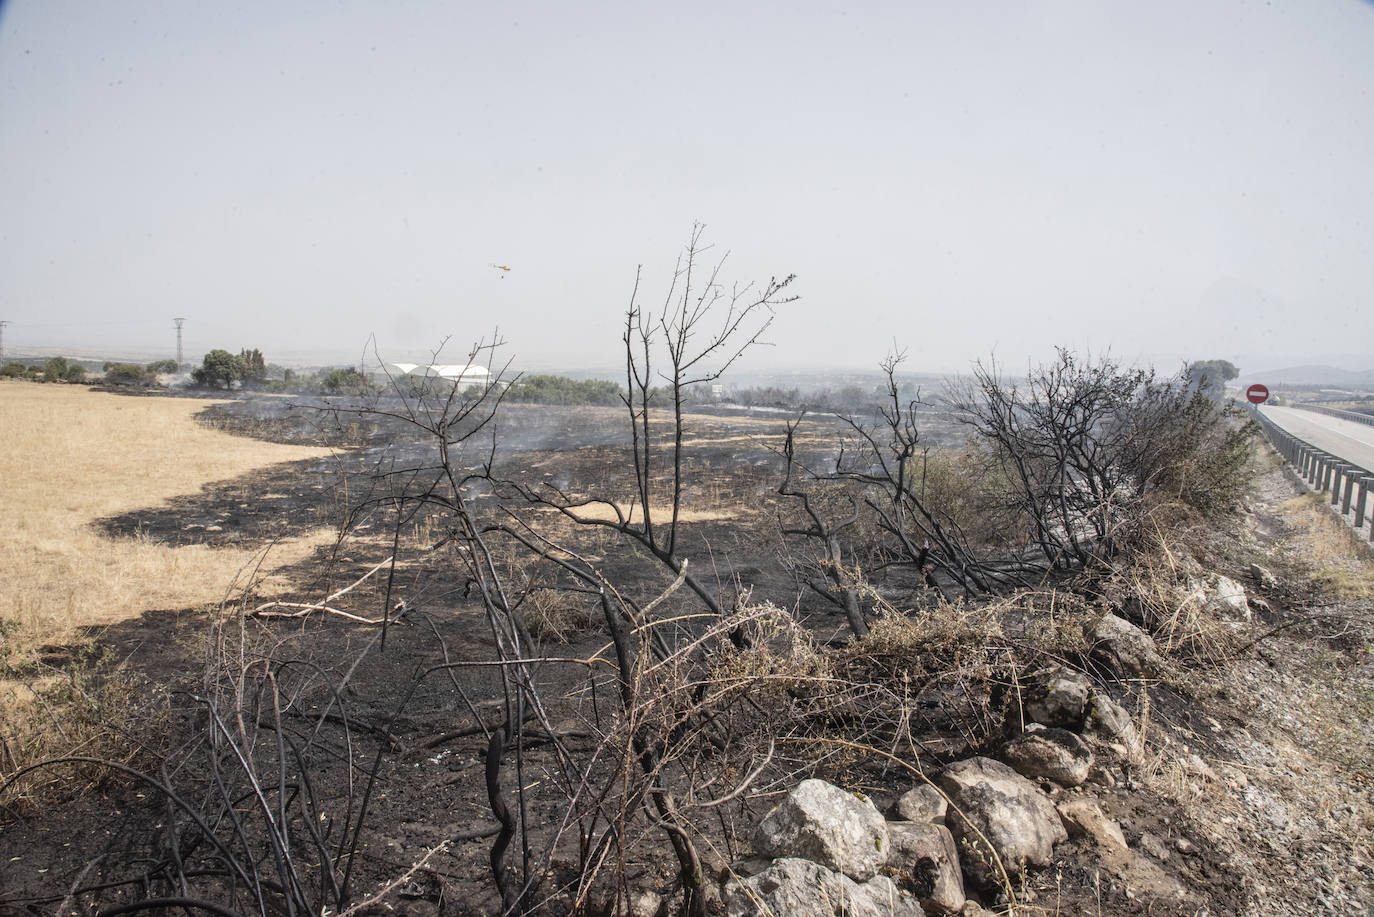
(220, 369)
(126, 374)
(55, 369)
(75, 373)
(1210, 376)
(255, 367)
(12, 371)
(346, 381)
(159, 366)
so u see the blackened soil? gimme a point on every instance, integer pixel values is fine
(390, 726)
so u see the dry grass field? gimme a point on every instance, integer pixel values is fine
(70, 456)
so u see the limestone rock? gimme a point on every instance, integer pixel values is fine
(747, 869)
(827, 825)
(801, 888)
(922, 804)
(1222, 596)
(926, 862)
(1124, 648)
(1050, 754)
(1015, 817)
(1058, 698)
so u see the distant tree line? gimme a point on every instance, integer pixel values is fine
(848, 398)
(61, 369)
(54, 369)
(549, 389)
(249, 370)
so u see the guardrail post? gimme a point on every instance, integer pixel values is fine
(1360, 500)
(1338, 474)
(1347, 491)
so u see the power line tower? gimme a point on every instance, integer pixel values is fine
(179, 322)
(2, 339)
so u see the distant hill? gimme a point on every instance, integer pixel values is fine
(1311, 375)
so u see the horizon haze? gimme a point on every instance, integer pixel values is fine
(1166, 182)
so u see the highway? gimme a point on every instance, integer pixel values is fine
(1345, 439)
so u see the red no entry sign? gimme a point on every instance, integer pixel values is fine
(1257, 394)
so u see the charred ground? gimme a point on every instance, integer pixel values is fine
(1278, 818)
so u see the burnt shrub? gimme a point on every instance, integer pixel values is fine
(1085, 445)
(127, 374)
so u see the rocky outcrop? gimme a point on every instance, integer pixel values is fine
(824, 850)
(1050, 754)
(991, 804)
(827, 825)
(802, 888)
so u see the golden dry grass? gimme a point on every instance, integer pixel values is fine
(1339, 562)
(634, 513)
(70, 456)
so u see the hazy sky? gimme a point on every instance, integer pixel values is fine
(1168, 179)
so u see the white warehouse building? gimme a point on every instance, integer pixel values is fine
(457, 373)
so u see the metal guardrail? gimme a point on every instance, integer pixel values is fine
(1356, 416)
(1348, 484)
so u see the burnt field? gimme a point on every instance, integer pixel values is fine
(499, 688)
(352, 737)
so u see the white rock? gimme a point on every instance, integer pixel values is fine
(1058, 698)
(1108, 722)
(646, 903)
(1221, 596)
(800, 888)
(922, 804)
(1124, 648)
(1016, 818)
(926, 857)
(827, 825)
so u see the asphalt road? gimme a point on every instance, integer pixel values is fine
(1345, 439)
